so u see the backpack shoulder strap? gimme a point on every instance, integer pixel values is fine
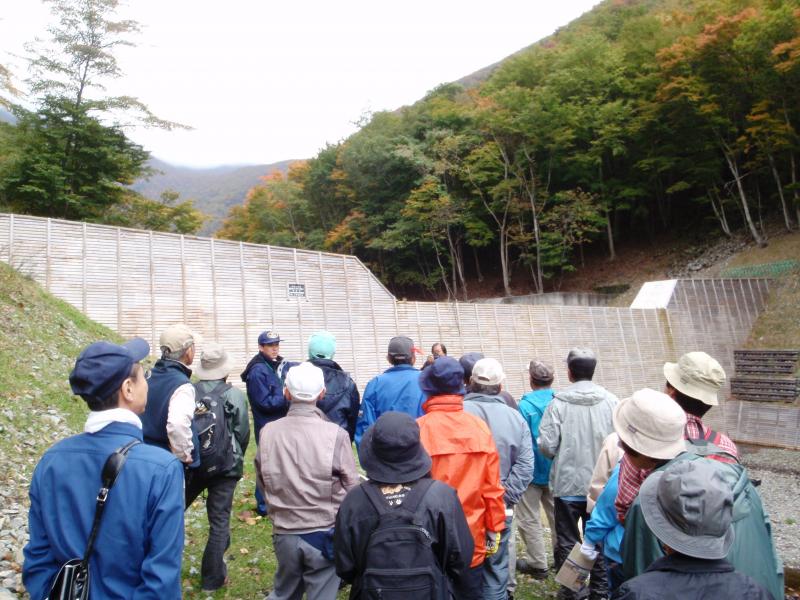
(705, 448)
(417, 493)
(374, 496)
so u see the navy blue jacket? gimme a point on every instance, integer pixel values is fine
(138, 549)
(167, 376)
(683, 578)
(264, 381)
(342, 399)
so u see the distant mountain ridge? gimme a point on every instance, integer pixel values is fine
(214, 190)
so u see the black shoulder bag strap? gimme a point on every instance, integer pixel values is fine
(111, 469)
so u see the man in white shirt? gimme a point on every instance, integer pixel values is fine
(167, 420)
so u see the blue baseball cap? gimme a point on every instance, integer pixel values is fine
(444, 376)
(102, 367)
(268, 337)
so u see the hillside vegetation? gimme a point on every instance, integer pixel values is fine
(641, 118)
(214, 191)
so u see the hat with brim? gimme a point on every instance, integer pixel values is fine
(102, 367)
(689, 509)
(215, 363)
(697, 375)
(651, 423)
(444, 376)
(391, 451)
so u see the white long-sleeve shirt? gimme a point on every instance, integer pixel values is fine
(179, 422)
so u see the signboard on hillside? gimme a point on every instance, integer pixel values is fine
(296, 290)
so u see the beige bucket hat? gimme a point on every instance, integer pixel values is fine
(651, 423)
(697, 375)
(215, 363)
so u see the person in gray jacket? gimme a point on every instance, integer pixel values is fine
(305, 467)
(571, 433)
(512, 436)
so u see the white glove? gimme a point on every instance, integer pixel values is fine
(588, 550)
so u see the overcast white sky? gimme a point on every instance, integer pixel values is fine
(264, 81)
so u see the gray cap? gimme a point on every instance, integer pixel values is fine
(401, 347)
(540, 372)
(689, 507)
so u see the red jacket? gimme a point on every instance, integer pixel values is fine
(464, 456)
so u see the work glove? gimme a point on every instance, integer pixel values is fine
(492, 542)
(588, 550)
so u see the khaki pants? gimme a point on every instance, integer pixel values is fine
(528, 516)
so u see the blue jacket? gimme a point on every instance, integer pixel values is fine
(342, 399)
(397, 388)
(532, 406)
(138, 549)
(604, 528)
(265, 389)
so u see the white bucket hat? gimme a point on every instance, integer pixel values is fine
(651, 423)
(697, 375)
(215, 362)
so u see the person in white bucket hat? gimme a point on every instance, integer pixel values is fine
(650, 426)
(689, 507)
(215, 366)
(694, 383)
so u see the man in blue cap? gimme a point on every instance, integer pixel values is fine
(264, 376)
(342, 399)
(138, 549)
(397, 388)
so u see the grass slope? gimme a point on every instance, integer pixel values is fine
(41, 336)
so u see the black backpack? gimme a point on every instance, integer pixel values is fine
(216, 441)
(399, 561)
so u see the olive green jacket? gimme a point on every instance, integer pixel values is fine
(238, 421)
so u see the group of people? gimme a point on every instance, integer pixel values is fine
(456, 470)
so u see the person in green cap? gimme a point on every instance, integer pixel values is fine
(342, 399)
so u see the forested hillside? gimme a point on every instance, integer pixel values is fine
(214, 190)
(643, 117)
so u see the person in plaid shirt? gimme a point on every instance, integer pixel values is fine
(693, 383)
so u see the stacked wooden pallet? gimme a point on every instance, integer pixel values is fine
(765, 375)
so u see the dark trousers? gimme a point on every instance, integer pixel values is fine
(567, 514)
(218, 509)
(470, 585)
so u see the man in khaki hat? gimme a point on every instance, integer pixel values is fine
(215, 366)
(167, 420)
(694, 382)
(651, 428)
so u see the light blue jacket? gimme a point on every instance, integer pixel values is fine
(532, 406)
(512, 438)
(604, 528)
(397, 388)
(137, 553)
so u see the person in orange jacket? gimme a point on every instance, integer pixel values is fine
(463, 456)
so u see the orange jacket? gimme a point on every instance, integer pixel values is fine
(464, 456)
